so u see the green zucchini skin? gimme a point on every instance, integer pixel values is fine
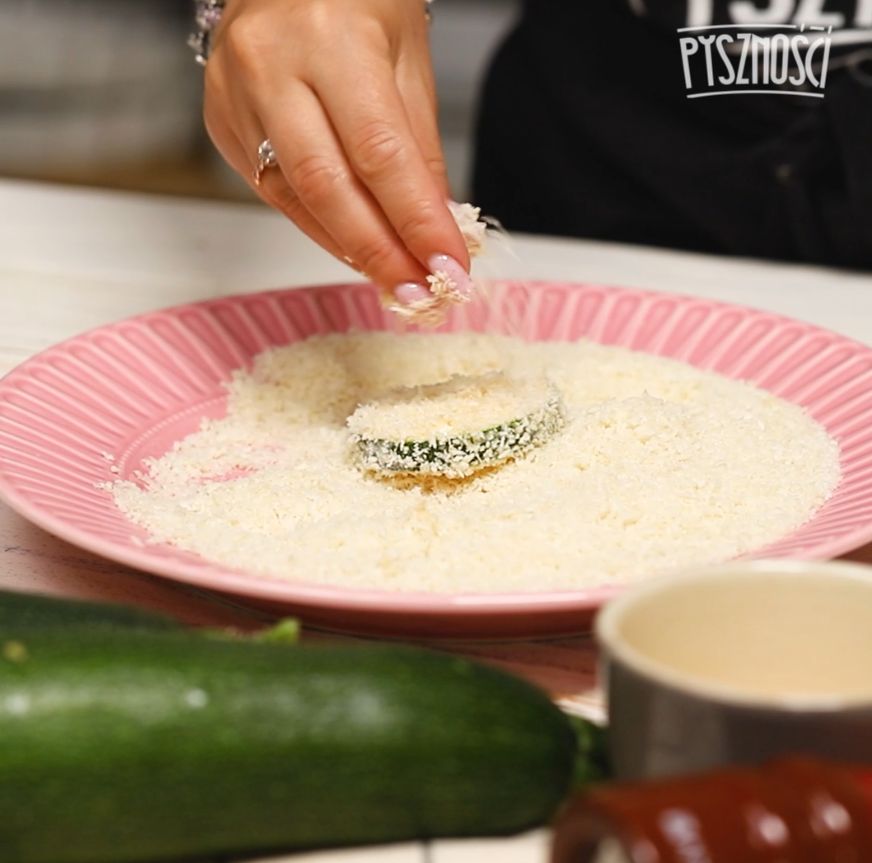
(25, 611)
(147, 747)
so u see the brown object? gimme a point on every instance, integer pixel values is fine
(795, 810)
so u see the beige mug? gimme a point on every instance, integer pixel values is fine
(737, 664)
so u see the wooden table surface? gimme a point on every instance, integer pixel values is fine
(74, 259)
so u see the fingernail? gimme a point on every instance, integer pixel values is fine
(446, 264)
(411, 292)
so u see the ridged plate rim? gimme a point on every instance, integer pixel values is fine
(205, 574)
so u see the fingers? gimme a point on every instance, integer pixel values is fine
(418, 92)
(360, 165)
(317, 170)
(220, 128)
(373, 128)
(273, 189)
(276, 192)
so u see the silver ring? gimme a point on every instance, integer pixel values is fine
(266, 158)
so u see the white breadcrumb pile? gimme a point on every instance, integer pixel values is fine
(456, 428)
(659, 465)
(444, 293)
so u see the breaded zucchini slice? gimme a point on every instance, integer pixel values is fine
(455, 429)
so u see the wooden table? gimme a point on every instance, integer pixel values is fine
(73, 259)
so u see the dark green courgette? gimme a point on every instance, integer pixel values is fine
(155, 746)
(22, 611)
(461, 455)
(592, 763)
(26, 612)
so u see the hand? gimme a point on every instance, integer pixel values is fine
(344, 91)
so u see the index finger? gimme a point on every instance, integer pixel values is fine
(371, 123)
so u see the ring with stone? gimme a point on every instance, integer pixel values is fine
(266, 158)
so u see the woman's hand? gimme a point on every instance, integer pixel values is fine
(344, 91)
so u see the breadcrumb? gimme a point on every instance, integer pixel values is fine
(444, 293)
(457, 428)
(652, 471)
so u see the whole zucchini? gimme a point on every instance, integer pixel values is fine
(154, 746)
(32, 611)
(26, 612)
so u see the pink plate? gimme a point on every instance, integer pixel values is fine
(135, 387)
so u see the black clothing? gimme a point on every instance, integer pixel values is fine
(585, 129)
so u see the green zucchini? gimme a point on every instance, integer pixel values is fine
(23, 611)
(460, 456)
(456, 428)
(147, 746)
(592, 763)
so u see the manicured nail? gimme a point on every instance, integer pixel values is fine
(411, 292)
(446, 264)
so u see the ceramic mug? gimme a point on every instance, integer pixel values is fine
(737, 664)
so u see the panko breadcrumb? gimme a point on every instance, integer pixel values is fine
(660, 465)
(456, 428)
(431, 311)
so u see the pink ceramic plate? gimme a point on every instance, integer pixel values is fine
(133, 388)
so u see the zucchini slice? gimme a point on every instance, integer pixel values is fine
(455, 429)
